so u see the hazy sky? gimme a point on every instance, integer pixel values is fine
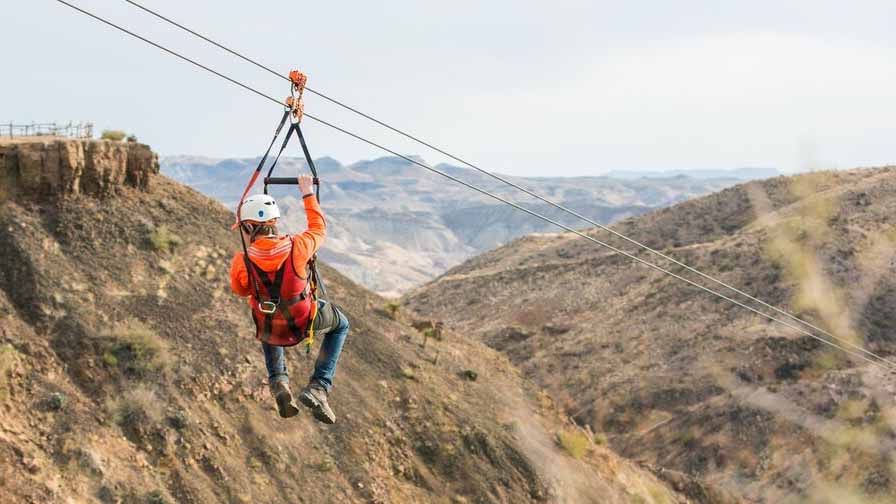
(568, 88)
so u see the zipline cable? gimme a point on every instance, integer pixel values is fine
(879, 363)
(510, 183)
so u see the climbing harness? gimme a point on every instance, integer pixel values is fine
(273, 308)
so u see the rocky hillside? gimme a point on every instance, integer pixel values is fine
(128, 373)
(396, 226)
(684, 381)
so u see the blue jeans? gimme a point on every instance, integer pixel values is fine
(325, 366)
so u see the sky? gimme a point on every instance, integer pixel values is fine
(520, 87)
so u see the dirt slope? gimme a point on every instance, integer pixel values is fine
(128, 372)
(688, 382)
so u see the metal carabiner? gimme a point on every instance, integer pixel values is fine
(268, 307)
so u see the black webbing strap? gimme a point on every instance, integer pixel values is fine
(276, 134)
(308, 160)
(279, 153)
(246, 192)
(273, 288)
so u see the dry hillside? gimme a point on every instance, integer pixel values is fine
(128, 372)
(685, 381)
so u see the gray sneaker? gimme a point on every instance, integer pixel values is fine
(314, 396)
(285, 404)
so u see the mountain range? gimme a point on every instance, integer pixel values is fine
(395, 226)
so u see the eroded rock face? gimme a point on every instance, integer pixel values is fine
(54, 168)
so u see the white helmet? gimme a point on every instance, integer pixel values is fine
(259, 208)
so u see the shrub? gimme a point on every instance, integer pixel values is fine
(156, 497)
(137, 408)
(115, 135)
(57, 401)
(132, 138)
(392, 308)
(574, 443)
(178, 420)
(600, 439)
(163, 239)
(429, 332)
(135, 349)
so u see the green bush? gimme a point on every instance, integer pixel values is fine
(57, 401)
(135, 349)
(392, 309)
(575, 443)
(115, 135)
(178, 420)
(163, 239)
(156, 497)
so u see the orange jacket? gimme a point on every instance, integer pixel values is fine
(270, 253)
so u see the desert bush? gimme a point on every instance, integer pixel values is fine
(163, 239)
(115, 135)
(57, 401)
(132, 138)
(392, 309)
(575, 443)
(178, 420)
(600, 439)
(156, 497)
(135, 349)
(136, 408)
(428, 333)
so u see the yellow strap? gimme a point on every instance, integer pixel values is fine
(309, 341)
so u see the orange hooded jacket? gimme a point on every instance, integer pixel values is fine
(270, 253)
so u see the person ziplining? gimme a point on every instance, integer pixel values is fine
(278, 274)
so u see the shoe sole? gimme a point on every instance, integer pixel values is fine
(285, 406)
(316, 410)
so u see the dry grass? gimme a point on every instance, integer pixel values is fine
(163, 239)
(114, 135)
(135, 349)
(138, 406)
(574, 443)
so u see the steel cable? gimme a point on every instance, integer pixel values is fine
(880, 362)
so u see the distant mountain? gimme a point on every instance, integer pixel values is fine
(395, 226)
(741, 174)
